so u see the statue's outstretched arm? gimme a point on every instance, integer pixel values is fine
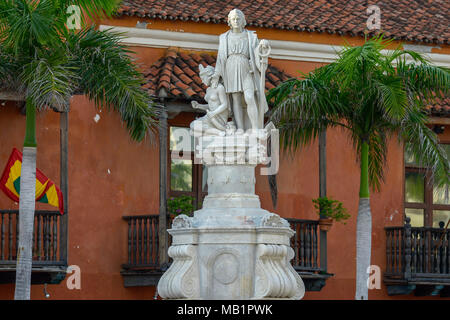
(200, 106)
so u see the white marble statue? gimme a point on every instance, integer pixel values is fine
(217, 108)
(231, 248)
(241, 63)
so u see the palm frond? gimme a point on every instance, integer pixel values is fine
(110, 78)
(423, 143)
(93, 9)
(279, 93)
(298, 133)
(28, 25)
(401, 55)
(354, 64)
(303, 108)
(49, 82)
(8, 70)
(392, 96)
(425, 82)
(377, 158)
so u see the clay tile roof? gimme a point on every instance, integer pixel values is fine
(440, 108)
(177, 73)
(406, 20)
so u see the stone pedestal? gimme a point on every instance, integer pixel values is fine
(231, 248)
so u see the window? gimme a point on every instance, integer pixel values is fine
(425, 203)
(185, 177)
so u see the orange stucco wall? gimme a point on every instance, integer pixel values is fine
(111, 176)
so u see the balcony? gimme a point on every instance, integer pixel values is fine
(144, 266)
(49, 257)
(417, 260)
(50, 235)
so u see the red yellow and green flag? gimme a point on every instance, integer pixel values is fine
(46, 190)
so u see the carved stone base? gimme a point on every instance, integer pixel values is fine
(275, 277)
(231, 249)
(237, 262)
(180, 280)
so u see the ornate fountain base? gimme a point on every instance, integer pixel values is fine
(231, 249)
(248, 262)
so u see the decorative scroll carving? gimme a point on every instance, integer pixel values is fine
(273, 220)
(181, 221)
(180, 280)
(275, 278)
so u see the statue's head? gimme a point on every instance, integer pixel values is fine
(236, 19)
(206, 73)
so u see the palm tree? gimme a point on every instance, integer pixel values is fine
(48, 63)
(374, 95)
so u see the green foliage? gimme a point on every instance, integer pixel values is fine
(181, 176)
(330, 208)
(45, 61)
(180, 205)
(94, 9)
(108, 75)
(371, 94)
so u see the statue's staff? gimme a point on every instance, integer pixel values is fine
(263, 52)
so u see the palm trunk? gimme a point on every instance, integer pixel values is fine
(363, 229)
(26, 208)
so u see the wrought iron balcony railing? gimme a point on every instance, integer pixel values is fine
(49, 257)
(417, 259)
(144, 250)
(306, 245)
(143, 242)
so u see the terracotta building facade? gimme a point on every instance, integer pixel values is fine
(116, 188)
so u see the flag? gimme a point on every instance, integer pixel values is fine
(46, 190)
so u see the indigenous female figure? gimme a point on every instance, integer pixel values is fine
(239, 65)
(217, 109)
